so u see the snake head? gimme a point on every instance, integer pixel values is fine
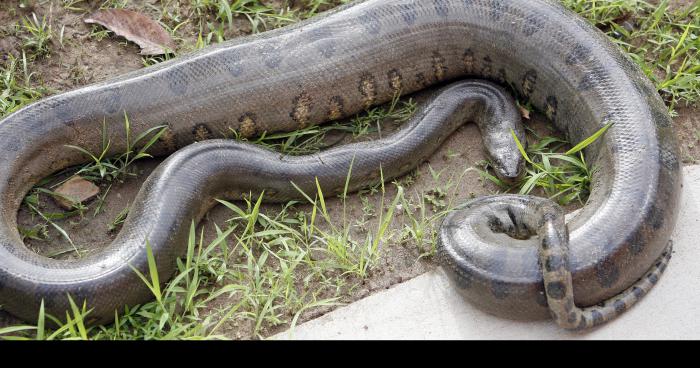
(508, 165)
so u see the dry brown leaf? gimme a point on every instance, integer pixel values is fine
(525, 113)
(135, 27)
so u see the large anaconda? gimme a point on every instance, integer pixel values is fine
(331, 67)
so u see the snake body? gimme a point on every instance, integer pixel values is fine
(331, 67)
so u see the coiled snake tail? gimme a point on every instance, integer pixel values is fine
(554, 260)
(482, 228)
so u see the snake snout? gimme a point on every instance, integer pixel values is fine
(509, 167)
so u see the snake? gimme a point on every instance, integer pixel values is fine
(514, 256)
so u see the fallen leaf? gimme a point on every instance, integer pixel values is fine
(525, 113)
(74, 191)
(135, 27)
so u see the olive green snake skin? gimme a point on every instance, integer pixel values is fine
(333, 66)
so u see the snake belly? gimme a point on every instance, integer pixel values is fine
(331, 67)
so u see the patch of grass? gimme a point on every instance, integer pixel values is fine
(73, 5)
(423, 214)
(17, 87)
(103, 168)
(36, 35)
(260, 16)
(564, 177)
(114, 4)
(664, 42)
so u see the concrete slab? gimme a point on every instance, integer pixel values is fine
(427, 307)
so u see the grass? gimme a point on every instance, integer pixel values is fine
(664, 42)
(17, 87)
(269, 267)
(104, 168)
(37, 35)
(564, 177)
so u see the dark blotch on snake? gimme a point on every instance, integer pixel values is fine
(64, 112)
(323, 41)
(421, 80)
(111, 101)
(532, 24)
(408, 13)
(656, 217)
(546, 243)
(553, 263)
(201, 132)
(248, 125)
(496, 9)
(231, 62)
(468, 61)
(578, 55)
(636, 243)
(177, 80)
(273, 55)
(591, 78)
(439, 66)
(395, 80)
(607, 273)
(529, 82)
(502, 76)
(597, 317)
(668, 158)
(551, 108)
(463, 280)
(301, 110)
(556, 290)
(541, 297)
(370, 22)
(368, 89)
(500, 290)
(12, 144)
(336, 107)
(660, 117)
(442, 7)
(619, 306)
(487, 66)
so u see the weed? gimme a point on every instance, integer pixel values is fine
(16, 86)
(36, 35)
(103, 168)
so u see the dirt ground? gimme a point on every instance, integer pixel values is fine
(83, 60)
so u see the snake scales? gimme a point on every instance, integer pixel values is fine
(334, 66)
